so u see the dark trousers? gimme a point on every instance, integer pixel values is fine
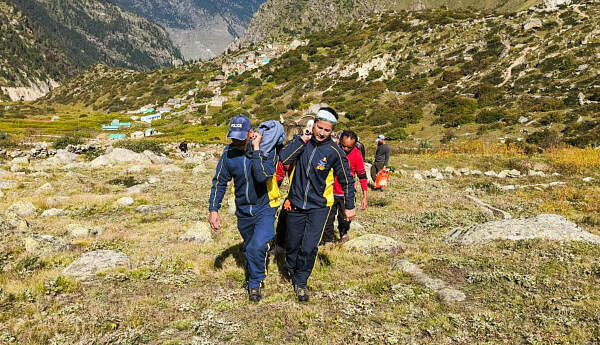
(304, 231)
(257, 231)
(337, 209)
(280, 235)
(375, 167)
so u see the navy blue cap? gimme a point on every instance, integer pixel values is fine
(239, 128)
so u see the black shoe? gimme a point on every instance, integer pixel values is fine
(301, 293)
(254, 294)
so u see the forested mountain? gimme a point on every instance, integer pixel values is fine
(202, 29)
(45, 42)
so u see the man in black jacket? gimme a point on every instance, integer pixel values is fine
(382, 157)
(318, 159)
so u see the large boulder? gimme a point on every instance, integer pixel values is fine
(198, 233)
(46, 188)
(372, 243)
(138, 188)
(62, 158)
(23, 209)
(157, 159)
(91, 263)
(544, 226)
(120, 156)
(126, 201)
(54, 212)
(43, 244)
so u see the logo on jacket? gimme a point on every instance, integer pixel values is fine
(322, 164)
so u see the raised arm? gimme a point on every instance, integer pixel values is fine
(263, 166)
(292, 150)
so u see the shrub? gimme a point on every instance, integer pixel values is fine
(397, 134)
(127, 181)
(141, 146)
(490, 116)
(456, 111)
(63, 142)
(548, 138)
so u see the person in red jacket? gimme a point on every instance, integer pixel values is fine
(347, 143)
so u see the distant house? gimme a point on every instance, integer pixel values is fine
(149, 132)
(137, 135)
(265, 60)
(173, 101)
(115, 125)
(164, 110)
(217, 101)
(148, 111)
(151, 117)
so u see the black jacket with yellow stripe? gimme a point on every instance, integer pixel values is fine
(316, 165)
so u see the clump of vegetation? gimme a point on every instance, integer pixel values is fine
(93, 153)
(456, 111)
(141, 146)
(127, 181)
(548, 138)
(63, 142)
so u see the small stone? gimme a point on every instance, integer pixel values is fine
(126, 201)
(149, 209)
(91, 263)
(503, 174)
(490, 173)
(82, 231)
(356, 226)
(171, 169)
(23, 209)
(153, 180)
(45, 189)
(199, 170)
(11, 221)
(536, 173)
(513, 173)
(372, 243)
(53, 212)
(587, 179)
(139, 188)
(418, 176)
(198, 233)
(136, 169)
(476, 172)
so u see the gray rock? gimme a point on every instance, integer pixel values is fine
(476, 172)
(199, 169)
(536, 173)
(356, 226)
(62, 158)
(198, 233)
(150, 209)
(371, 243)
(153, 180)
(120, 156)
(126, 201)
(171, 169)
(418, 176)
(136, 169)
(139, 188)
(156, 159)
(82, 231)
(43, 244)
(20, 160)
(91, 263)
(443, 291)
(45, 189)
(53, 212)
(8, 184)
(196, 160)
(11, 221)
(23, 209)
(490, 174)
(544, 226)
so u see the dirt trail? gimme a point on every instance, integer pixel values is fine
(517, 62)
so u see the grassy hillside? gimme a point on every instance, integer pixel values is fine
(428, 77)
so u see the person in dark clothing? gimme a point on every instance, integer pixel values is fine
(256, 196)
(357, 168)
(318, 160)
(382, 157)
(183, 146)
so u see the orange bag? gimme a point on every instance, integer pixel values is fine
(383, 179)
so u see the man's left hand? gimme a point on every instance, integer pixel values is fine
(350, 214)
(256, 141)
(363, 203)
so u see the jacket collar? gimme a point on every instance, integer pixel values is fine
(316, 143)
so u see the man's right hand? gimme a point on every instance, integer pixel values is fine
(215, 220)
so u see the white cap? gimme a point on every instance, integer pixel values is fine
(380, 137)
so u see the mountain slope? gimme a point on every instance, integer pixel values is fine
(284, 18)
(202, 29)
(52, 40)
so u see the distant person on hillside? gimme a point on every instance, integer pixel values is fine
(382, 156)
(183, 146)
(318, 160)
(256, 196)
(348, 140)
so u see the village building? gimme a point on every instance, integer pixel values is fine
(217, 101)
(150, 118)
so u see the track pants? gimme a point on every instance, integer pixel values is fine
(303, 233)
(257, 231)
(337, 209)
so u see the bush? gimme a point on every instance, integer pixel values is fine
(456, 111)
(490, 116)
(548, 138)
(128, 181)
(396, 134)
(63, 142)
(141, 146)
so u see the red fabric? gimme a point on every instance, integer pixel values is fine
(383, 178)
(357, 167)
(280, 172)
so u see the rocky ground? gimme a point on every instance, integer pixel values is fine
(117, 251)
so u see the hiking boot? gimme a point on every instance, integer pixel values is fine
(301, 293)
(345, 238)
(254, 294)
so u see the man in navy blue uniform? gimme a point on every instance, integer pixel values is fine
(317, 161)
(256, 196)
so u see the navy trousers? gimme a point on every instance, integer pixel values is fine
(257, 231)
(304, 231)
